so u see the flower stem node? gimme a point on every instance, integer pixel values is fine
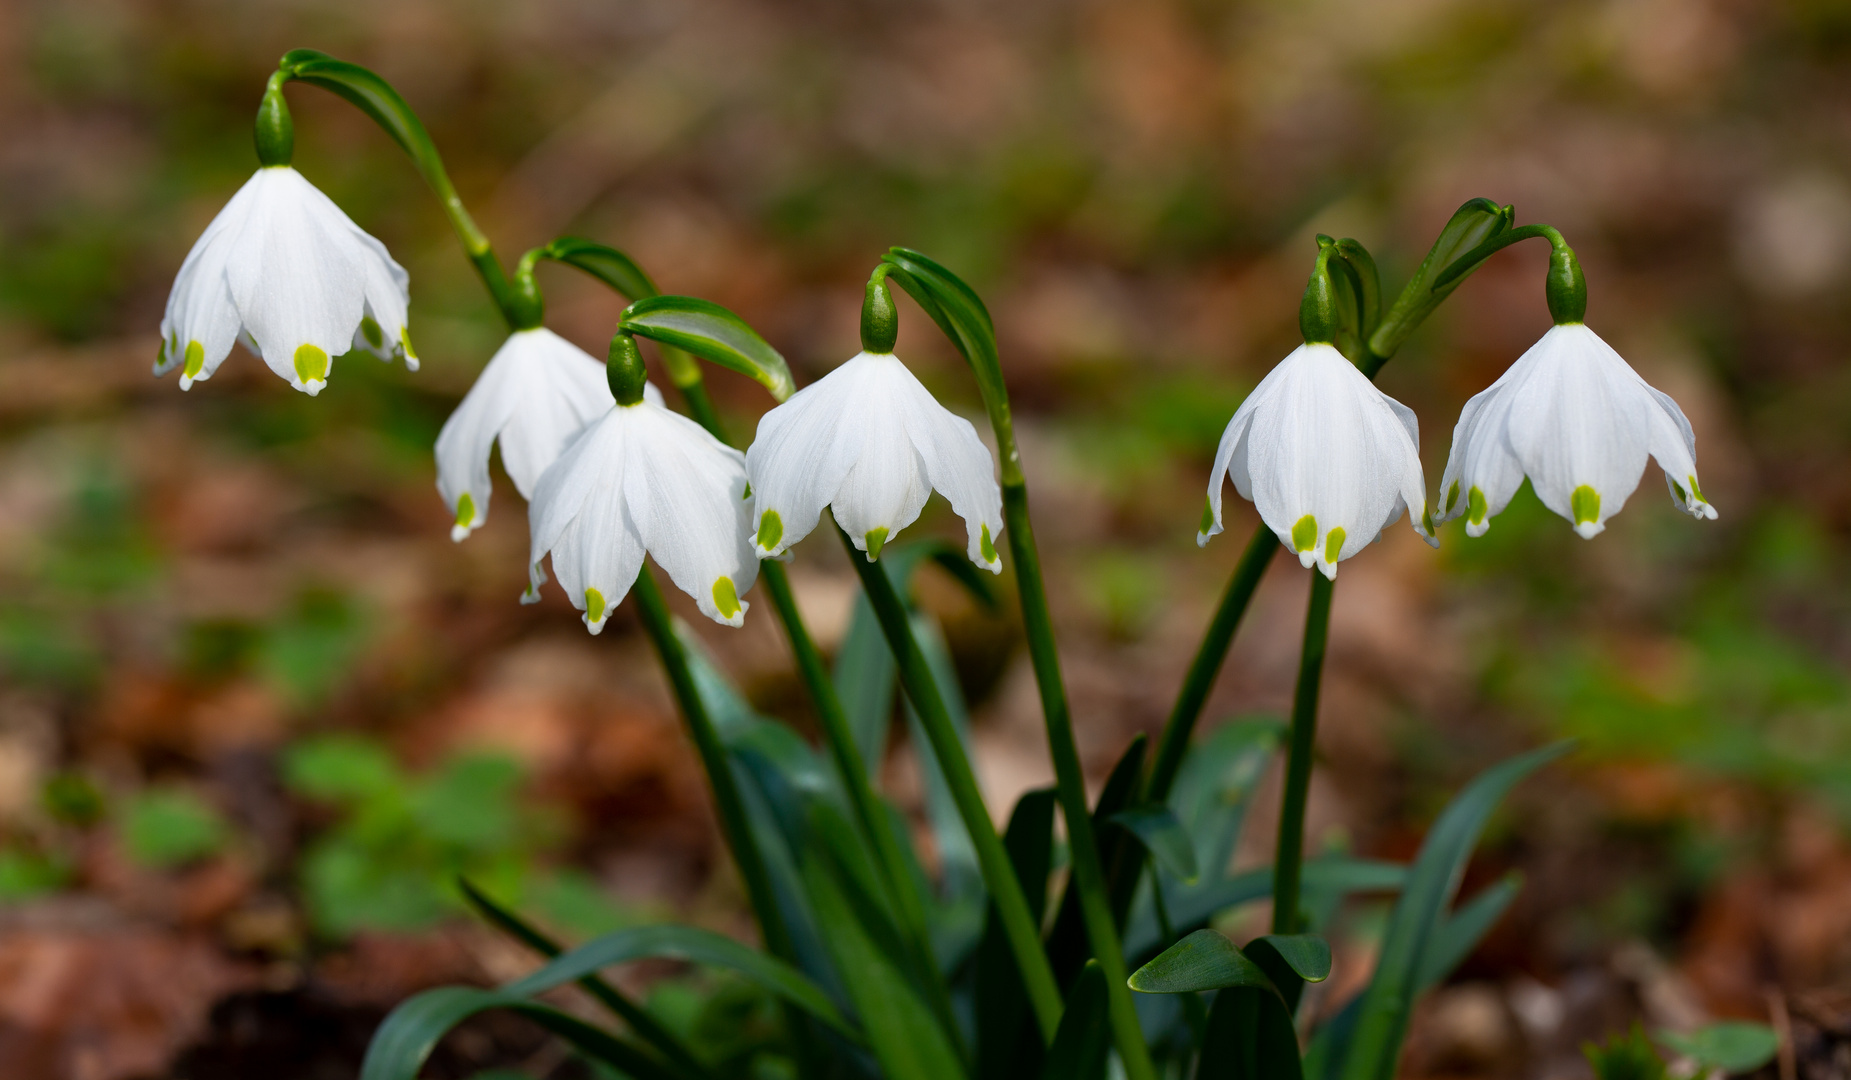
(282, 270)
(1327, 459)
(869, 441)
(537, 392)
(644, 480)
(1577, 420)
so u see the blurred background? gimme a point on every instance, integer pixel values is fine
(256, 708)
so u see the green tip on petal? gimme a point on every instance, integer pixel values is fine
(748, 493)
(1452, 498)
(725, 597)
(1426, 520)
(195, 360)
(986, 546)
(1305, 533)
(404, 340)
(876, 538)
(466, 510)
(770, 530)
(1697, 491)
(1585, 502)
(1475, 505)
(1208, 516)
(370, 331)
(1678, 488)
(594, 605)
(311, 364)
(1333, 545)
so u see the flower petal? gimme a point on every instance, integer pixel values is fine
(580, 516)
(685, 495)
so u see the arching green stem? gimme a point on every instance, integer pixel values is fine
(1565, 288)
(377, 99)
(960, 313)
(1019, 924)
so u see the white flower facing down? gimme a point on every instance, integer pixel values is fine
(1579, 422)
(644, 479)
(1327, 459)
(537, 392)
(870, 441)
(284, 271)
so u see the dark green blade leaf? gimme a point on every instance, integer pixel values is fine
(373, 96)
(1068, 946)
(1193, 907)
(1162, 835)
(1306, 954)
(901, 1030)
(711, 332)
(605, 263)
(1250, 1037)
(1455, 938)
(1389, 1000)
(865, 678)
(1732, 1046)
(1008, 1043)
(1205, 960)
(693, 945)
(646, 1026)
(407, 1037)
(1078, 1052)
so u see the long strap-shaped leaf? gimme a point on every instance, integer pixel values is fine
(693, 945)
(401, 1045)
(1387, 1004)
(711, 332)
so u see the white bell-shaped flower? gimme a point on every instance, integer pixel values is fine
(644, 479)
(283, 270)
(1327, 459)
(870, 441)
(537, 393)
(1579, 422)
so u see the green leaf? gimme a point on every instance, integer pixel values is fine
(1078, 1051)
(1291, 961)
(1461, 932)
(1193, 907)
(339, 769)
(1205, 960)
(1476, 221)
(1389, 999)
(1162, 835)
(1625, 1057)
(1249, 1037)
(695, 946)
(409, 1034)
(901, 1030)
(711, 332)
(1008, 1043)
(1733, 1046)
(165, 827)
(1068, 945)
(645, 1025)
(605, 263)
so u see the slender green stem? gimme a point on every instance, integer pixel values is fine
(1173, 745)
(726, 797)
(1070, 783)
(890, 859)
(1019, 924)
(1288, 859)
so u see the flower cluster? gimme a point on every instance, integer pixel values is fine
(1329, 461)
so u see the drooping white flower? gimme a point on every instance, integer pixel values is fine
(870, 441)
(1327, 459)
(537, 392)
(1579, 422)
(644, 479)
(284, 271)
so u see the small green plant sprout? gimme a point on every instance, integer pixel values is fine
(166, 827)
(1727, 1048)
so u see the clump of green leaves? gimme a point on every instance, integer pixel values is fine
(167, 827)
(1730, 1047)
(1626, 1057)
(399, 841)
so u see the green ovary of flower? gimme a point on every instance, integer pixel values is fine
(311, 364)
(1305, 533)
(770, 530)
(726, 597)
(1585, 502)
(594, 605)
